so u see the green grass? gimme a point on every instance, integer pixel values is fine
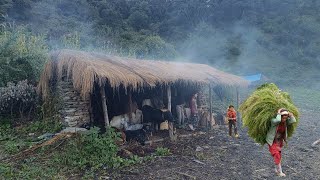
(261, 106)
(160, 151)
(83, 155)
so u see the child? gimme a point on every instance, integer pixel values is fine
(232, 120)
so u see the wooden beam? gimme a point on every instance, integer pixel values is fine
(104, 107)
(210, 104)
(169, 97)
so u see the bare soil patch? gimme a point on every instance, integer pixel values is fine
(221, 157)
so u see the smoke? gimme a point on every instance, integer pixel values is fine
(238, 48)
(64, 23)
(235, 47)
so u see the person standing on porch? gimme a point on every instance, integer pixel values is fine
(194, 112)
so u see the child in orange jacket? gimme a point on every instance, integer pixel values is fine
(232, 120)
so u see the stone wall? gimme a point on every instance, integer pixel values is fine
(74, 111)
(203, 99)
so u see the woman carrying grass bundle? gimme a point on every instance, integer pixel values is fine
(277, 134)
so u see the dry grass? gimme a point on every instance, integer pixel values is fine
(85, 68)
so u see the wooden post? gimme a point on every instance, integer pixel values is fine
(210, 104)
(169, 97)
(172, 133)
(238, 103)
(130, 104)
(104, 106)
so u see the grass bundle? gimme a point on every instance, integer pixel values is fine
(261, 106)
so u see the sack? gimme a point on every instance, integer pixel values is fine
(164, 125)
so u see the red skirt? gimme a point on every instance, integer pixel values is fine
(275, 150)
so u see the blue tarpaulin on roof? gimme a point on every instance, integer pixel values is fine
(252, 78)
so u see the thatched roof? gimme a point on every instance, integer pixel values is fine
(86, 68)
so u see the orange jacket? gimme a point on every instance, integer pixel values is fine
(232, 115)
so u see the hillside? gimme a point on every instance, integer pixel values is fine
(276, 38)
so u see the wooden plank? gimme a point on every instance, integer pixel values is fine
(104, 106)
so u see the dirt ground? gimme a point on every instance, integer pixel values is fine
(221, 157)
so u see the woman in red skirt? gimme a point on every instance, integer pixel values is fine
(277, 135)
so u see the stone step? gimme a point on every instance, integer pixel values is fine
(76, 102)
(81, 114)
(65, 82)
(66, 87)
(70, 94)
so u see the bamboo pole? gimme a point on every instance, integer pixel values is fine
(104, 107)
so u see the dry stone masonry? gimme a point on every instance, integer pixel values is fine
(74, 110)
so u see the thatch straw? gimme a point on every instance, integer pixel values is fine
(86, 68)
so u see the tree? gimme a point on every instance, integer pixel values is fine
(22, 56)
(4, 6)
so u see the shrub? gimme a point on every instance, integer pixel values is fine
(48, 125)
(20, 98)
(162, 151)
(6, 130)
(91, 151)
(22, 55)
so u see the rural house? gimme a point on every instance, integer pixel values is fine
(93, 88)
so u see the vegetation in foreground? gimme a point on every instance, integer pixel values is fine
(23, 156)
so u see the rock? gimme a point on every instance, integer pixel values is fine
(71, 110)
(206, 147)
(73, 130)
(198, 149)
(66, 98)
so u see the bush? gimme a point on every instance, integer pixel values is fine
(22, 55)
(20, 98)
(6, 130)
(162, 151)
(91, 151)
(48, 125)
